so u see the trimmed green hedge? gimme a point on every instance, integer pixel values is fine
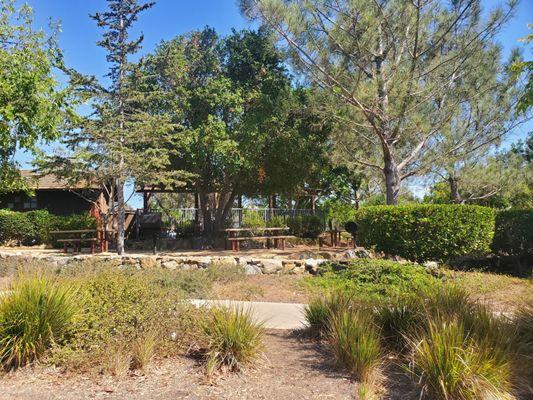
(514, 232)
(33, 227)
(428, 231)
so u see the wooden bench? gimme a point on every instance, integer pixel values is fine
(279, 241)
(77, 238)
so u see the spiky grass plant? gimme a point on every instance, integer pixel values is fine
(233, 339)
(450, 364)
(355, 342)
(34, 315)
(143, 350)
(398, 319)
(320, 309)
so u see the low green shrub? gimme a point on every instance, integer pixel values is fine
(450, 364)
(35, 315)
(320, 309)
(252, 219)
(371, 279)
(233, 339)
(427, 232)
(305, 226)
(34, 227)
(277, 221)
(514, 232)
(355, 342)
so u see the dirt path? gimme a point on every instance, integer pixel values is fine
(293, 368)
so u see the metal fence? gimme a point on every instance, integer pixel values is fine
(185, 219)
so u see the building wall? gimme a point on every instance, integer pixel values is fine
(58, 202)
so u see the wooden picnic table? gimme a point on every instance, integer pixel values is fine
(273, 233)
(336, 236)
(76, 239)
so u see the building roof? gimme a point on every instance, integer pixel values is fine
(52, 182)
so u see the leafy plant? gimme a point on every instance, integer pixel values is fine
(252, 219)
(305, 226)
(427, 232)
(514, 232)
(233, 339)
(34, 316)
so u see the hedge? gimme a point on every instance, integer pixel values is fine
(513, 234)
(305, 226)
(33, 227)
(428, 231)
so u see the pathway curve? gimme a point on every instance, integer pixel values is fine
(272, 315)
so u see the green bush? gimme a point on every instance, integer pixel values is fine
(252, 219)
(15, 227)
(305, 226)
(427, 232)
(36, 314)
(277, 221)
(368, 279)
(233, 339)
(33, 227)
(320, 309)
(513, 233)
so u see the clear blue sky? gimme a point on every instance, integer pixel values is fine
(169, 18)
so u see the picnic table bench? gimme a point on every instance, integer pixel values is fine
(268, 234)
(78, 237)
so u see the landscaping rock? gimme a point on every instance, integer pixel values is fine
(431, 265)
(149, 262)
(251, 269)
(170, 264)
(271, 266)
(313, 266)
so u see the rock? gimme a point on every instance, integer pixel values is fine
(203, 262)
(149, 262)
(304, 255)
(170, 264)
(271, 266)
(431, 265)
(251, 269)
(313, 265)
(325, 255)
(288, 267)
(187, 266)
(299, 270)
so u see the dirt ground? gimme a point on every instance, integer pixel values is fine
(292, 368)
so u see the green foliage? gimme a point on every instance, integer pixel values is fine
(427, 232)
(35, 315)
(338, 211)
(277, 221)
(252, 219)
(233, 339)
(451, 364)
(305, 226)
(320, 309)
(369, 279)
(514, 232)
(355, 342)
(33, 227)
(32, 104)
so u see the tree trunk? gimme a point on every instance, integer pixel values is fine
(392, 181)
(215, 212)
(455, 196)
(121, 217)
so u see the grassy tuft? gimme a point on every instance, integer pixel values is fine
(450, 364)
(35, 315)
(320, 309)
(233, 339)
(143, 350)
(355, 342)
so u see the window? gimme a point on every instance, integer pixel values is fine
(11, 206)
(30, 203)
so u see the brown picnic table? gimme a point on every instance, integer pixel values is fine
(76, 238)
(268, 234)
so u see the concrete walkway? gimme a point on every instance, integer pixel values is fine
(272, 315)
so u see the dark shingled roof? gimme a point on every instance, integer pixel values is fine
(37, 181)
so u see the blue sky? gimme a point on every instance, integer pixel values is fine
(169, 18)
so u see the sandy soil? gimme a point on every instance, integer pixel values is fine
(292, 368)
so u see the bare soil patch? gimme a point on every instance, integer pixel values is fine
(292, 368)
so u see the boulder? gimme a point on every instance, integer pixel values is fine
(170, 264)
(271, 266)
(251, 269)
(313, 265)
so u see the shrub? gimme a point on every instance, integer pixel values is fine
(427, 232)
(369, 279)
(15, 227)
(252, 219)
(277, 221)
(143, 349)
(354, 340)
(35, 315)
(305, 226)
(514, 232)
(233, 339)
(74, 222)
(450, 364)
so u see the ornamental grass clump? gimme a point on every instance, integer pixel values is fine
(320, 309)
(355, 342)
(233, 339)
(36, 314)
(451, 364)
